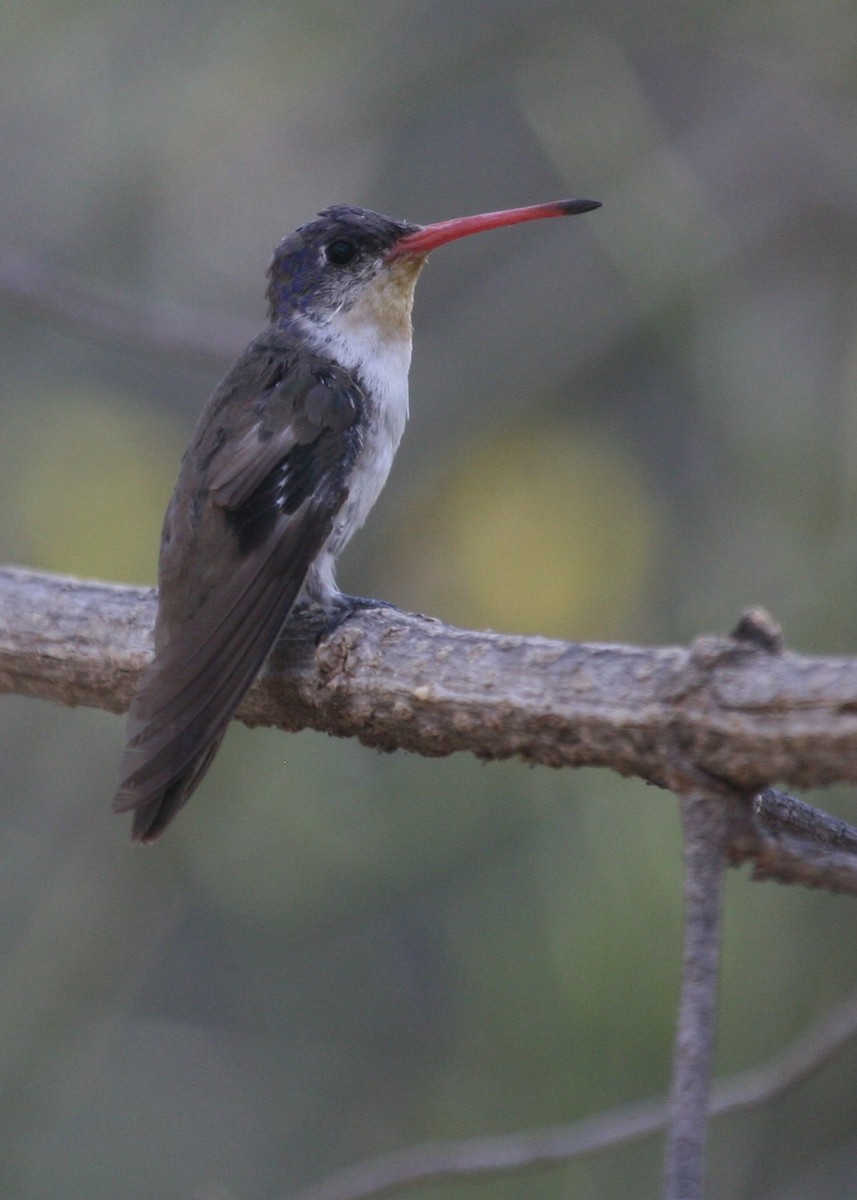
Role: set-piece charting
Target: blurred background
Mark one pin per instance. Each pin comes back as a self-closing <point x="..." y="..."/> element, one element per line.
<point x="628" y="426"/>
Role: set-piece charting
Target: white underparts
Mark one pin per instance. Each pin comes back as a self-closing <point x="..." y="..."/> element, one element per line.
<point x="381" y="358"/>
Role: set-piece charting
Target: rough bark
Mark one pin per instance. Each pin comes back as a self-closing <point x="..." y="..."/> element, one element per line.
<point x="743" y="713"/>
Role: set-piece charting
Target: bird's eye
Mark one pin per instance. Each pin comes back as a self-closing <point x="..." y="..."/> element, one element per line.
<point x="341" y="252"/>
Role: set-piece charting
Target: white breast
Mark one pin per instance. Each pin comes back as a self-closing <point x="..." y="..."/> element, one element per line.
<point x="382" y="364"/>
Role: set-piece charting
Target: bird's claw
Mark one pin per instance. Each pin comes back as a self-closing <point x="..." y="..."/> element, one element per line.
<point x="345" y="607"/>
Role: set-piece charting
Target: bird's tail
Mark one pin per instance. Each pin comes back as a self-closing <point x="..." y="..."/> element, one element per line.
<point x="153" y="813"/>
<point x="204" y="666"/>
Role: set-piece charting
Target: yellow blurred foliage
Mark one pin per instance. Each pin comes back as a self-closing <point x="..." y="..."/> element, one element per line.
<point x="552" y="534"/>
<point x="92" y="476"/>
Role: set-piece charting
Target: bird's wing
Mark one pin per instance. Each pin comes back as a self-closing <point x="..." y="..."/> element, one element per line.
<point x="267" y="513"/>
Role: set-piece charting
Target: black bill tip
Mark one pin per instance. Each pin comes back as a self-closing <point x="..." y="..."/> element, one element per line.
<point x="578" y="206"/>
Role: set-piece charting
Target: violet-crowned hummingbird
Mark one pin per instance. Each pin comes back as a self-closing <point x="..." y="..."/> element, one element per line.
<point x="288" y="457"/>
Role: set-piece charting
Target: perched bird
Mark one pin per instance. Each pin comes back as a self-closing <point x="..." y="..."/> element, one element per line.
<point x="289" y="455"/>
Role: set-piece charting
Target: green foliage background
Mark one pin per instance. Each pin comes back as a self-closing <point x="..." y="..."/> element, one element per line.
<point x="628" y="426"/>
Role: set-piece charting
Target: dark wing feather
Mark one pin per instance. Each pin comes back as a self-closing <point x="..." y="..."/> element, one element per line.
<point x="210" y="652"/>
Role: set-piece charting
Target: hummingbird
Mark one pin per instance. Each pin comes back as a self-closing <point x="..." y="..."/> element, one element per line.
<point x="289" y="455"/>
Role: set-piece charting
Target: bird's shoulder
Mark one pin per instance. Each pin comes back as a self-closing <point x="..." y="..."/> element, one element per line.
<point x="279" y="393"/>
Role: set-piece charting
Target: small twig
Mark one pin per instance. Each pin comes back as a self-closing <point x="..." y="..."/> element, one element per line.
<point x="441" y="1161"/>
<point x="790" y="841"/>
<point x="795" y="1062"/>
<point x="204" y="338"/>
<point x="783" y="814"/>
<point x="480" y="1157"/>
<point x="704" y="826"/>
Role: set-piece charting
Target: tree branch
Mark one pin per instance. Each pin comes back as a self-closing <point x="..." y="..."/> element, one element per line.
<point x="704" y="828"/>
<point x="394" y="679"/>
<point x="742" y="712"/>
<point x="479" y="1157"/>
<point x="203" y="338"/>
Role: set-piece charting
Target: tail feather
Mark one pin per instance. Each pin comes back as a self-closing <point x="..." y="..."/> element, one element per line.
<point x="153" y="816"/>
<point x="206" y="663"/>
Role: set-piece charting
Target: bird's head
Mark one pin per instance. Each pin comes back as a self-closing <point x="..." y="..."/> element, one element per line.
<point x="364" y="266"/>
<point x="339" y="264"/>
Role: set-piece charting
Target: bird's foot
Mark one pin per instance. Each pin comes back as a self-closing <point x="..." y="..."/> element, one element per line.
<point x="345" y="607"/>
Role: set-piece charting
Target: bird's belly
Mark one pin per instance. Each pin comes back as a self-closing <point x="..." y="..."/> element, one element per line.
<point x="380" y="442"/>
<point x="382" y="433"/>
<point x="367" y="479"/>
<point x="381" y="365"/>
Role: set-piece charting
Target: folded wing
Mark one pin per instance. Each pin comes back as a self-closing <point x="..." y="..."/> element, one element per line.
<point x="267" y="505"/>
